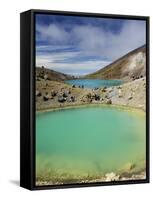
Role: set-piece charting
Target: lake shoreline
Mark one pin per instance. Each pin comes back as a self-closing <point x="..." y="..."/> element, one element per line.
<point x="86" y="105"/>
<point x="108" y="177"/>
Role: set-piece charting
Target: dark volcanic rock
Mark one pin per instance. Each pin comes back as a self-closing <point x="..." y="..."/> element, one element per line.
<point x="61" y="99"/>
<point x="97" y="97"/>
<point x="109" y="101"/>
<point x="130" y="97"/>
<point x="104" y="89"/>
<point x="66" y="94"/>
<point x="38" y="93"/>
<point x="45" y="98"/>
<point x="73" y="98"/>
<point x="53" y="93"/>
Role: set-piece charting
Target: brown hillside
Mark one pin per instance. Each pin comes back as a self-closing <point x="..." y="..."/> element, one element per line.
<point x="48" y="74"/>
<point x="130" y="66"/>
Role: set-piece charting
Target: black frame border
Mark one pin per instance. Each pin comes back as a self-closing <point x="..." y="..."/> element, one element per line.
<point x="29" y="181"/>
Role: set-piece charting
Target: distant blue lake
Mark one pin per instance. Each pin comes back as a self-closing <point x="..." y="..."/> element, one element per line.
<point x="94" y="83"/>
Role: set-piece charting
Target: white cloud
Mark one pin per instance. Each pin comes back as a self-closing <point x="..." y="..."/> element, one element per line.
<point x="52" y="32"/>
<point x="90" y="41"/>
<point x="132" y="36"/>
<point x="54" y="57"/>
<point x="69" y="68"/>
<point x="50" y="47"/>
<point x="96" y="41"/>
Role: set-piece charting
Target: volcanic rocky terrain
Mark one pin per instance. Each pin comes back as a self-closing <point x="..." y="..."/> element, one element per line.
<point x="52" y="91"/>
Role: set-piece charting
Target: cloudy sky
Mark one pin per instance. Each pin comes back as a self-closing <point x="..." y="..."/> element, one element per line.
<point x="81" y="45"/>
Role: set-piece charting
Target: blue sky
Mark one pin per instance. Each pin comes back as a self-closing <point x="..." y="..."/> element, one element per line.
<point x="81" y="45"/>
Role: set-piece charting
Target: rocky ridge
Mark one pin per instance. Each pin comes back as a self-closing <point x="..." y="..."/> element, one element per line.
<point x="129" y="67"/>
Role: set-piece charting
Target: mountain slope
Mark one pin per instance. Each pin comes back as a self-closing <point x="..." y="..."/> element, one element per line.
<point x="44" y="73"/>
<point x="128" y="67"/>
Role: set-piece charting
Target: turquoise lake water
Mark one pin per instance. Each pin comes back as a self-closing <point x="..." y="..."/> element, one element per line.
<point x="89" y="140"/>
<point x="94" y="83"/>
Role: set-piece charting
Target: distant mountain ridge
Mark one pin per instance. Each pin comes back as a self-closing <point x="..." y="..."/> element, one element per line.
<point x="128" y="67"/>
<point x="49" y="74"/>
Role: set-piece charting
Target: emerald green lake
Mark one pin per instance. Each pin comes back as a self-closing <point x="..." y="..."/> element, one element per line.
<point x="89" y="140"/>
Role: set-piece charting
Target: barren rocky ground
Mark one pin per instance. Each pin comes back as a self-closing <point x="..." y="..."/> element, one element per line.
<point x="53" y="94"/>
